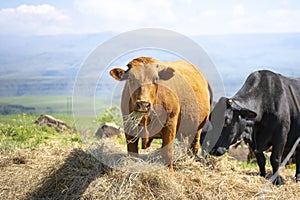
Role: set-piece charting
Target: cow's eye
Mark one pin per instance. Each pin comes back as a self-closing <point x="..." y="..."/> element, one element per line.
<point x="227" y="122"/>
<point x="155" y="80"/>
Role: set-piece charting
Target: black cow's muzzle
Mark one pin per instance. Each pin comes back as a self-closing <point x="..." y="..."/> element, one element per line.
<point x="218" y="151"/>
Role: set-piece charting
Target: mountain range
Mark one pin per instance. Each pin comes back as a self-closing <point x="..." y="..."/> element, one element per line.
<point x="48" y="65"/>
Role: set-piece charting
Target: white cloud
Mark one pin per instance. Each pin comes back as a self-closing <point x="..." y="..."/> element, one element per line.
<point x="209" y="13"/>
<point x="118" y="15"/>
<point x="188" y="17"/>
<point x="271" y="21"/>
<point x="33" y="19"/>
<point x="285" y="2"/>
<point x="122" y="8"/>
<point x="238" y="10"/>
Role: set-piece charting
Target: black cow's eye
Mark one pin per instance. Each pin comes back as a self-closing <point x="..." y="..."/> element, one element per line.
<point x="225" y="125"/>
<point x="227" y="122"/>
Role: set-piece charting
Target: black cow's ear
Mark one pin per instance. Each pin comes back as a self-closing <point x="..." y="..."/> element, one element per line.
<point x="246" y="113"/>
<point x="166" y="74"/>
<point x="118" y="74"/>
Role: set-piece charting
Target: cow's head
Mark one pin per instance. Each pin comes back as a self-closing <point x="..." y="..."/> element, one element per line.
<point x="230" y="123"/>
<point x="142" y="78"/>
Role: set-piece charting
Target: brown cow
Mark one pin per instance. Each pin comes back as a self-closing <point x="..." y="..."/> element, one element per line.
<point x="163" y="100"/>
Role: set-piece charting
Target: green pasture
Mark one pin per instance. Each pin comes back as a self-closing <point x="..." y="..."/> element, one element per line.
<point x="55" y="104"/>
<point x="18" y="131"/>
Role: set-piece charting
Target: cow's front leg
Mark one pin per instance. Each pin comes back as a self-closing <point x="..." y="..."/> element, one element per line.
<point x="132" y="145"/>
<point x="261" y="161"/>
<point x="275" y="159"/>
<point x="275" y="162"/>
<point x="279" y="140"/>
<point x="167" y="151"/>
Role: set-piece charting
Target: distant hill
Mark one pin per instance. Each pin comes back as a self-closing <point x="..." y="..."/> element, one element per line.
<point x="43" y="65"/>
<point x="47" y="65"/>
<point x="6" y="109"/>
<point x="236" y="56"/>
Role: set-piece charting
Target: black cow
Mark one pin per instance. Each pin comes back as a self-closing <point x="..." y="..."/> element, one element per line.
<point x="265" y="113"/>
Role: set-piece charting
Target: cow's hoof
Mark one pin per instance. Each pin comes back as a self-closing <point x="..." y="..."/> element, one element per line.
<point x="278" y="181"/>
<point x="263" y="174"/>
<point x="298" y="178"/>
<point x="171" y="167"/>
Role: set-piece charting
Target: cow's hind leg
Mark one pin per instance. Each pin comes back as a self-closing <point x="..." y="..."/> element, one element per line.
<point x="298" y="164"/>
<point x="195" y="145"/>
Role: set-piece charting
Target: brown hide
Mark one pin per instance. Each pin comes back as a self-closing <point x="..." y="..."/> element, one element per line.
<point x="181" y="94"/>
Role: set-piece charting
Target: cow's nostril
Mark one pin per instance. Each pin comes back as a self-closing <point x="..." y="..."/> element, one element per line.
<point x="138" y="106"/>
<point x="147" y="105"/>
<point x="142" y="106"/>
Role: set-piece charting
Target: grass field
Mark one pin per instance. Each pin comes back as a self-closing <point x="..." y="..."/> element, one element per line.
<point x="20" y="132"/>
<point x="42" y="104"/>
<point x="55" y="104"/>
<point x="40" y="163"/>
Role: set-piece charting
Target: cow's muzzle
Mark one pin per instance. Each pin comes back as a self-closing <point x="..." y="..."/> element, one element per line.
<point x="218" y="151"/>
<point x="142" y="106"/>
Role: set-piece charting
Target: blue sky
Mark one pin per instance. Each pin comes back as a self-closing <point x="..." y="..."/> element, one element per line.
<point x="190" y="17"/>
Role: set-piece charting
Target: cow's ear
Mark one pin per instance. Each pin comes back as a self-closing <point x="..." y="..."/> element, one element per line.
<point x="118" y="74"/>
<point x="166" y="73"/>
<point x="246" y="113"/>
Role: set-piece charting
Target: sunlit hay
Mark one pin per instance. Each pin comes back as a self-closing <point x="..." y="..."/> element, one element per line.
<point x="114" y="156"/>
<point x="136" y="178"/>
<point x="53" y="171"/>
<point x="131" y="124"/>
<point x="159" y="184"/>
<point x="107" y="151"/>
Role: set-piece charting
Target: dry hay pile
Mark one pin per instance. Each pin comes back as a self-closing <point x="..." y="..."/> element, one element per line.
<point x="55" y="172"/>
